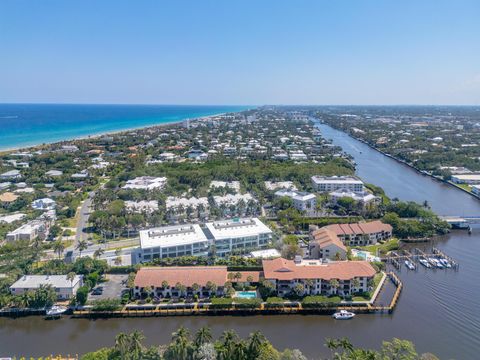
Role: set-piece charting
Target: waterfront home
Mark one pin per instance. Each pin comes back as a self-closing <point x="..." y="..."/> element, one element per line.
<point x="470" y="179"/>
<point x="65" y="288"/>
<point x="363" y="197"/>
<point x="173" y="241"/>
<point x="312" y="277"/>
<point x="325" y="244"/>
<point x="146" y="207"/>
<point x="185" y="281"/>
<point x="146" y="183"/>
<point x="44" y="204"/>
<point x="334" y="183"/>
<point x="362" y="234"/>
<point x="11" y="175"/>
<point x="302" y="201"/>
<point x="476" y="189"/>
<point x="238" y="234"/>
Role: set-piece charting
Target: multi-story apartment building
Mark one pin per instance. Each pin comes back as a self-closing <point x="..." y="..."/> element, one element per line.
<point x="229" y="235"/>
<point x="190" y="239"/>
<point x="334" y="183"/>
<point x="362" y="234"/>
<point x="315" y="277"/>
<point x="172" y="241"/>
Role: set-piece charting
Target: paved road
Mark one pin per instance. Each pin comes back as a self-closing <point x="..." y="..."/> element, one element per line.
<point x="82" y="222"/>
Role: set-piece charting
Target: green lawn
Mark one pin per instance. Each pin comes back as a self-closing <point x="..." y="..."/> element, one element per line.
<point x="387" y="246"/>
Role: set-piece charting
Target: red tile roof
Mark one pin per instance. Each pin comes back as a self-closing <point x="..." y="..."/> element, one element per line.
<point x="359" y="228"/>
<point x="282" y="269"/>
<point x="188" y="275"/>
<point x="324" y="237"/>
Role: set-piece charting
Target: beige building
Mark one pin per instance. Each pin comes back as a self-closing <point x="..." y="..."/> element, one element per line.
<point x="325" y="244"/>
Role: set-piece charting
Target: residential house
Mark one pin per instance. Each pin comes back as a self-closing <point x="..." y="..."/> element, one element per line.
<point x="64" y="287"/>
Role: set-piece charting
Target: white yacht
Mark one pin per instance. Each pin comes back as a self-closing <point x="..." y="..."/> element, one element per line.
<point x="55" y="311"/>
<point x="343" y="315"/>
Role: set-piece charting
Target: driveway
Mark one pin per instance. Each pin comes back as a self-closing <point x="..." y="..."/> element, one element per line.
<point x="112" y="289"/>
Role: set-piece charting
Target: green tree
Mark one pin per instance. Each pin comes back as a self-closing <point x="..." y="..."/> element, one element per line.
<point x="82" y="245"/>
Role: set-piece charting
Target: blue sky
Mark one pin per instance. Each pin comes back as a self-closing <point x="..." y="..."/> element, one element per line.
<point x="240" y="52"/>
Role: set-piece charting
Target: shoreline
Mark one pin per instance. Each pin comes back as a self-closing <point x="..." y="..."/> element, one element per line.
<point x="403" y="162"/>
<point x="112" y="132"/>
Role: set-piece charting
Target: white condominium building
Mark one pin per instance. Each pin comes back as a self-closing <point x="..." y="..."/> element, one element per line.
<point x="192" y="240"/>
<point x="173" y="241"/>
<point x="334" y="183"/>
<point x="228" y="235"/>
<point x="302" y="201"/>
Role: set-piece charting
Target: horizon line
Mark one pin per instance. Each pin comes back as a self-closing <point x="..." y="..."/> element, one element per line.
<point x="255" y="105"/>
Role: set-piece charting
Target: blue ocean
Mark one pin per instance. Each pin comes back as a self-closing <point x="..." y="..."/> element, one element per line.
<point x="23" y="125"/>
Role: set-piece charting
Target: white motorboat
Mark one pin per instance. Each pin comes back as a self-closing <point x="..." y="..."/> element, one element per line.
<point x="425" y="263"/>
<point x="445" y="263"/>
<point x="343" y="315"/>
<point x="55" y="311"/>
<point x="409" y="265"/>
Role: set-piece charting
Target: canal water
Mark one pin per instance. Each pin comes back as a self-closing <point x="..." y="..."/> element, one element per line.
<point x="438" y="309"/>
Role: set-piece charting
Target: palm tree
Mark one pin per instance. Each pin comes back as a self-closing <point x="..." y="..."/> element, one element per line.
<point x="237" y="276"/>
<point x="334" y="284"/>
<point x="255" y="342"/>
<point x="59" y="248"/>
<point x="309" y="283"/>
<point x="118" y="261"/>
<point x="165" y="284"/>
<point x="122" y="344"/>
<point x="82" y="245"/>
<point x="181" y="288"/>
<point x="355" y="283"/>
<point x="70" y="277"/>
<point x="99" y="252"/>
<point x="136" y="347"/>
<point x="250" y="278"/>
<point x="229" y="341"/>
<point x="195" y="287"/>
<point x="203" y="336"/>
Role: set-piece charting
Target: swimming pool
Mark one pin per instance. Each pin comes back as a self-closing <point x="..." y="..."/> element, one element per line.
<point x="246" y="294"/>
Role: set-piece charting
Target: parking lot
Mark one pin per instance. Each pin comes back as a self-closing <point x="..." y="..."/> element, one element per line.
<point x="112" y="289"/>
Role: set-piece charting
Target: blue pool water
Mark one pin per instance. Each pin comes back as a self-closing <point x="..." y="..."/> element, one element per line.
<point x="246" y="294"/>
<point x="24" y="125"/>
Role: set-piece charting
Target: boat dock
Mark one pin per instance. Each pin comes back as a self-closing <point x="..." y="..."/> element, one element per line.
<point x="435" y="259"/>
